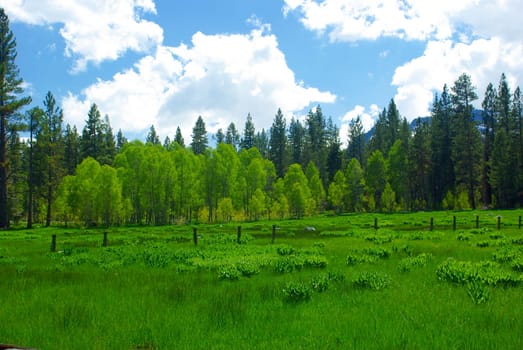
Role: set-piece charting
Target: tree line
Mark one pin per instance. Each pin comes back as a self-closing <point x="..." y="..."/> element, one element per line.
<point x="459" y="158"/>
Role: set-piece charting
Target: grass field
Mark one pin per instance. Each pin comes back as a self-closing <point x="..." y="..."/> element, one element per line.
<point x="343" y="285"/>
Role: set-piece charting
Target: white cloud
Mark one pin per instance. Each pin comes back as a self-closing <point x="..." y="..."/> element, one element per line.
<point x="372" y="19"/>
<point x="442" y="63"/>
<point x="94" y="31"/>
<point x="479" y="37"/>
<point x="220" y="77"/>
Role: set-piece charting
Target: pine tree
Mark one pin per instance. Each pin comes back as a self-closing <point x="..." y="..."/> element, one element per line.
<point x="261" y="142"/>
<point x="420" y="166"/>
<point x="50" y="142"/>
<point x="178" y="138"/>
<point x="517" y="112"/>
<point x="199" y="137"/>
<point x="220" y="136"/>
<point x="10" y="104"/>
<point x="167" y="142"/>
<point x="278" y="144"/>
<point x="466" y="140"/>
<point x="91" y="142"/>
<point x="489" y="119"/>
<point x="334" y="153"/>
<point x="378" y="141"/>
<point x="232" y="137"/>
<point x="33" y="117"/>
<point x="152" y="136"/>
<point x="72" y="150"/>
<point x="107" y="143"/>
<point x="356" y="145"/>
<point x="120" y="140"/>
<point x="316" y="140"/>
<point x="248" y="134"/>
<point x="442" y="170"/>
<point x="296" y="141"/>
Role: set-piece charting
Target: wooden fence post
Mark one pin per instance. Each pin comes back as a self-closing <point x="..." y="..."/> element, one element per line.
<point x="239" y="237"/>
<point x="477" y="221"/>
<point x="454" y="223"/>
<point x="431" y="224"/>
<point x="53" y="243"/>
<point x="195" y="236"/>
<point x="273" y="233"/>
<point x="104" y="244"/>
<point x="376" y="223"/>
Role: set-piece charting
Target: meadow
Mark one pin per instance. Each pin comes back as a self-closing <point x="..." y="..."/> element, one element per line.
<point x="359" y="281"/>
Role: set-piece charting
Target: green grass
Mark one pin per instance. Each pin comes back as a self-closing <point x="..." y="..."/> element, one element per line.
<point x="151" y="288"/>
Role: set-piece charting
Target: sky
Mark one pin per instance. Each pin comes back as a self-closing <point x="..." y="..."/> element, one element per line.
<point x="166" y="62"/>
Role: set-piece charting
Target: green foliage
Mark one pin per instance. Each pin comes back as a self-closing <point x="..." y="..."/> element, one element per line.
<point x="315" y="261"/>
<point x="297" y="292"/>
<point x="320" y="283"/>
<point x="229" y="273"/>
<point x="488" y="272"/>
<point x="248" y="268"/>
<point x="372" y="280"/>
<point x="478" y="292"/>
<point x="410" y="263"/>
<point x="288" y="264"/>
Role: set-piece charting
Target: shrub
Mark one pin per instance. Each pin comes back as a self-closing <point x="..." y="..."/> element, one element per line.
<point x="156" y="256"/>
<point x="488" y="272"/>
<point x="228" y="272"/>
<point x="287" y="264"/>
<point x="506" y="254"/>
<point x="478" y="292"/>
<point x="285" y="250"/>
<point x="247" y="268"/>
<point x="409" y="263"/>
<point x="296" y="292"/>
<point x="517" y="264"/>
<point x="379" y="239"/>
<point x="353" y="259"/>
<point x="316" y="261"/>
<point x="379" y="252"/>
<point x="320" y="283"/>
<point x="372" y="280"/>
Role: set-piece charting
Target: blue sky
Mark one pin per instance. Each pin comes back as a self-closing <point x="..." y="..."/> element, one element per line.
<point x="164" y="62"/>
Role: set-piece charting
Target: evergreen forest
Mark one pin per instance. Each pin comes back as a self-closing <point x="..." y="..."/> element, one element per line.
<point x="460" y="157"/>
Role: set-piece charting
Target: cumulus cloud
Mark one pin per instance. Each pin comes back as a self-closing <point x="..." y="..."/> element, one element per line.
<point x="94" y="31"/>
<point x="479" y="37"/>
<point x="442" y="63"/>
<point x="372" y="19"/>
<point x="220" y="77"/>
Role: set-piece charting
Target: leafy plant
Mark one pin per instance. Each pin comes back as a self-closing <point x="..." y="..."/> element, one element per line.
<point x="296" y="292"/>
<point x="229" y="272"/>
<point x="320" y="283"/>
<point x="316" y="261"/>
<point x="478" y="292"/>
<point x="285" y="250"/>
<point x="248" y="268"/>
<point x="372" y="280"/>
<point x="409" y="263"/>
